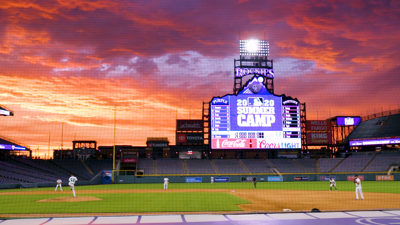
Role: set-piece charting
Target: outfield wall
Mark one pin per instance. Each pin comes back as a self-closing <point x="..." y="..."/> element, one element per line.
<point x="182" y="178"/>
<point x="300" y="177"/>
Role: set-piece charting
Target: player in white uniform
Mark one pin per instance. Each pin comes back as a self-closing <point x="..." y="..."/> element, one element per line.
<point x="71" y="183"/>
<point x="357" y="181"/>
<point x="212" y="180"/>
<point x="332" y="184"/>
<point x="166" y="181"/>
<point x="59" y="181"/>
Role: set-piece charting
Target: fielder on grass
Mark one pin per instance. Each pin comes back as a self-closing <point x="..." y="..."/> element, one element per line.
<point x="166" y="182"/>
<point x="71" y="183"/>
<point x="332" y="184"/>
<point x="59" y="182"/>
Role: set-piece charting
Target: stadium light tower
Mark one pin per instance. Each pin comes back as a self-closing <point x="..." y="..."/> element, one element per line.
<point x="4" y="111"/>
<point x="254" y="61"/>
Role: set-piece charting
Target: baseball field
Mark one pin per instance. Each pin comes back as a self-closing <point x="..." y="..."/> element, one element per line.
<point x="133" y="199"/>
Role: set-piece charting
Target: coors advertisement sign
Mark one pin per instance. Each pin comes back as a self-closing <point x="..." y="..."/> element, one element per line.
<point x="189" y="125"/>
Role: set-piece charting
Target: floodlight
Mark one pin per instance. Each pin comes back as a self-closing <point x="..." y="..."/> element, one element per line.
<point x="254" y="47"/>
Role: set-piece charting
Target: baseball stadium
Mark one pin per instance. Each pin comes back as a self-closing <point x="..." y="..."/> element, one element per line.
<point x="84" y="140"/>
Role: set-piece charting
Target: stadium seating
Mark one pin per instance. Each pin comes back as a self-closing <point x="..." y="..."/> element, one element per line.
<point x="146" y="165"/>
<point x="99" y="165"/>
<point x="10" y="170"/>
<point x="382" y="162"/>
<point x="390" y="127"/>
<point x="308" y="164"/>
<point x="327" y="164"/>
<point x="199" y="166"/>
<point x="287" y="165"/>
<point x="169" y="166"/>
<point x="76" y="167"/>
<point x="44" y="165"/>
<point x="256" y="165"/>
<point x="225" y="166"/>
<point x="354" y="163"/>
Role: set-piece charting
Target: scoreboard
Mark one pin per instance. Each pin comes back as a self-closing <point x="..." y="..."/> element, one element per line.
<point x="255" y="119"/>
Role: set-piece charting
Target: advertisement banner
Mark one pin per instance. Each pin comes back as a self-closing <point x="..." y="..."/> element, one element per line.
<point x="275" y="179"/>
<point x="318" y="125"/>
<point x="189" y="125"/>
<point x="375" y="141"/>
<point x="193" y="179"/>
<point x="384" y="177"/>
<point x="107" y="176"/>
<point x="301" y="178"/>
<point x="129" y="160"/>
<point x="189" y="138"/>
<point x="12" y="147"/>
<point x="221" y="179"/>
<point x="351" y="178"/>
<point x="348" y="121"/>
<point x="319" y="138"/>
<point x="247" y="179"/>
<point x="157" y="144"/>
<point x="326" y="178"/>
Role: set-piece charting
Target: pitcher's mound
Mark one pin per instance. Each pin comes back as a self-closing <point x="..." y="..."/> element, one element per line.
<point x="71" y="199"/>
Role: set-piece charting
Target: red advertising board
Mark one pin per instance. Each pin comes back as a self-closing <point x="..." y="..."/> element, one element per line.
<point x="189" y="138"/>
<point x="351" y="178"/>
<point x="319" y="138"/>
<point x="318" y="125"/>
<point x="189" y="125"/>
<point x="129" y="160"/>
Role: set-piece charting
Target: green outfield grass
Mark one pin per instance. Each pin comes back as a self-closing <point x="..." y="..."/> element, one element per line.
<point x="164" y="202"/>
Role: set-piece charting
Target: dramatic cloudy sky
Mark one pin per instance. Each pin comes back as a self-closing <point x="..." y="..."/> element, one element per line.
<point x="73" y="62"/>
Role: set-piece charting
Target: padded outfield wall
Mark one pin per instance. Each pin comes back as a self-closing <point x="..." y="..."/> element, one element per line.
<point x="206" y="178"/>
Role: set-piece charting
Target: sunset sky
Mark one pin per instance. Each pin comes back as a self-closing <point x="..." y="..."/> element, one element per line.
<point x="74" y="62"/>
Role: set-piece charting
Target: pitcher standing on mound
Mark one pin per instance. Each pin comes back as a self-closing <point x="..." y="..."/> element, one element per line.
<point x="71" y="183"/>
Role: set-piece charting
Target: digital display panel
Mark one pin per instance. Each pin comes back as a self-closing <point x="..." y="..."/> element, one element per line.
<point x="255" y="119"/>
<point x="377" y="141"/>
<point x="12" y="147"/>
<point x="348" y="120"/>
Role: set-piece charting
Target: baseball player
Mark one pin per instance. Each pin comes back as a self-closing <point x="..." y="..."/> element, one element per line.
<point x="255" y="182"/>
<point x="59" y="181"/>
<point x="166" y="182"/>
<point x="71" y="183"/>
<point x="212" y="180"/>
<point x="332" y="184"/>
<point x="357" y="181"/>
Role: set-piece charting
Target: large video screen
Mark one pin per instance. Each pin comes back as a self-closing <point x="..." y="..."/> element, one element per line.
<point x="255" y="119"/>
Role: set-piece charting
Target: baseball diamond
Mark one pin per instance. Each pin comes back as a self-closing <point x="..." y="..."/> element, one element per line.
<point x="232" y="198"/>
